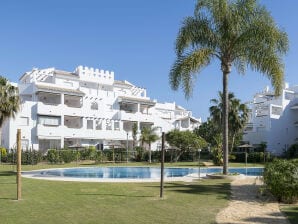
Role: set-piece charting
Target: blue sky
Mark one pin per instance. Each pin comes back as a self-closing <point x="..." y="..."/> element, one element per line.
<point x="133" y="38"/>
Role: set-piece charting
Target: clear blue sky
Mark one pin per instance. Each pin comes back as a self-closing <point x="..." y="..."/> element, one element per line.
<point x="133" y="38"/>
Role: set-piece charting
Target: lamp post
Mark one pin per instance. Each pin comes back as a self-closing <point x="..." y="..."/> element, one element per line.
<point x="245" y="161"/>
<point x="199" y="174"/>
<point x="126" y="147"/>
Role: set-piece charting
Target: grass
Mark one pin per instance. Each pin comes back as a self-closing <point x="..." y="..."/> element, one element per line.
<point x="74" y="202"/>
<point x="291" y="212"/>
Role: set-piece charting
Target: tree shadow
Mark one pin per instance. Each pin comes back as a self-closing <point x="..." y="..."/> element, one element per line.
<point x="274" y="218"/>
<point x="7" y="173"/>
<point x="117" y="195"/>
<point x="8" y="199"/>
<point x="223" y="190"/>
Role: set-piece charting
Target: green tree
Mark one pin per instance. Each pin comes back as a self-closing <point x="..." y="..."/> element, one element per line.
<point x="9" y="100"/>
<point x="238" y="116"/>
<point x="238" y="33"/>
<point x="148" y="136"/>
<point x="207" y="130"/>
<point x="184" y="141"/>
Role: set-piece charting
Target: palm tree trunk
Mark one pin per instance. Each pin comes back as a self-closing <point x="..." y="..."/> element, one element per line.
<point x="226" y="71"/>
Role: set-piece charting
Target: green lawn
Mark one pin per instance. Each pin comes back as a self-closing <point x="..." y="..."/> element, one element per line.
<point x="74" y="202"/>
<point x="291" y="212"/>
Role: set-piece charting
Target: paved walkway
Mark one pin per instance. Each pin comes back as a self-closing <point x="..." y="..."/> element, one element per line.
<point x="248" y="206"/>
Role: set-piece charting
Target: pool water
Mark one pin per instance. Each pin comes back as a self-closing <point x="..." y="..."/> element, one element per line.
<point x="139" y="172"/>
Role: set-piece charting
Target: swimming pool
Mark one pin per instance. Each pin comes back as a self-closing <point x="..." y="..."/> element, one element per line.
<point x="131" y="173"/>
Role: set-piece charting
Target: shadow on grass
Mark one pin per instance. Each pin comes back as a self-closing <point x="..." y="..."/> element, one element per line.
<point x="273" y="218"/>
<point x="9" y="199"/>
<point x="291" y="211"/>
<point x="223" y="190"/>
<point x="203" y="189"/>
<point x="7" y="173"/>
<point x="117" y="195"/>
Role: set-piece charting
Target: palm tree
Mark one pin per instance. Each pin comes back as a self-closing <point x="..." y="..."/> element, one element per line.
<point x="148" y="136"/>
<point x="134" y="134"/>
<point x="238" y="115"/>
<point x="9" y="100"/>
<point x="238" y="33"/>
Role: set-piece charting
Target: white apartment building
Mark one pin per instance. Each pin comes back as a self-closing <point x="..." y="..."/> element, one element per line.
<point x="274" y="120"/>
<point x="86" y="107"/>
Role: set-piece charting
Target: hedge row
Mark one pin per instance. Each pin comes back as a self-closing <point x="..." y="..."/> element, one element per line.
<point x="281" y="178"/>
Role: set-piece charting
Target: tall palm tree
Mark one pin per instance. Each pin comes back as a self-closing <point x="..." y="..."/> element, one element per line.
<point x="149" y="136"/>
<point x="238" y="115"/>
<point x="9" y="100"/>
<point x="238" y="33"/>
<point x="134" y="134"/>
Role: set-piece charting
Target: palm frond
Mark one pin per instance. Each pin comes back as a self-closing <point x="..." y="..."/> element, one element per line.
<point x="185" y="67"/>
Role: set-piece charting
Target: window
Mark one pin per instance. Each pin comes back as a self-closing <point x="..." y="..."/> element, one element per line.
<point x="89" y="124"/>
<point x="98" y="125"/>
<point x="25" y="144"/>
<point x="117" y="125"/>
<point x="289" y="96"/>
<point x="108" y="125"/>
<point x="24" y="121"/>
<point x="94" y="106"/>
<point x="49" y="120"/>
<point x="276" y="110"/>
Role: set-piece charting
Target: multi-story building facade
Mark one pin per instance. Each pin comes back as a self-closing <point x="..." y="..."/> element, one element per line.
<point x="273" y="120"/>
<point x="86" y="107"/>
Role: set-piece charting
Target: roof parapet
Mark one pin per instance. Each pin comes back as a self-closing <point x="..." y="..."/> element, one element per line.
<point x="95" y="75"/>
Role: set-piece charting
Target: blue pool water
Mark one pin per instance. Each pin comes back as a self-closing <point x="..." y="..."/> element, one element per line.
<point x="139" y="172"/>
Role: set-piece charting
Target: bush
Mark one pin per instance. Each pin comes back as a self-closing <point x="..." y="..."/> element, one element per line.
<point x="281" y="178"/>
<point x="139" y="155"/>
<point x="3" y="154"/>
<point x="252" y="157"/>
<point x="31" y="157"/>
<point x="68" y="155"/>
<point x="53" y="156"/>
<point x="292" y="152"/>
<point x="88" y="153"/>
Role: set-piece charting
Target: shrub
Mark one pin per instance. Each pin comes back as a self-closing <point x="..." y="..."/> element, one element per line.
<point x="139" y="156"/>
<point x="281" y="178"/>
<point x="252" y="157"/>
<point x="52" y="156"/>
<point x="31" y="157"/>
<point x="292" y="152"/>
<point x="88" y="153"/>
<point x="217" y="156"/>
<point x="3" y="154"/>
<point x="67" y="155"/>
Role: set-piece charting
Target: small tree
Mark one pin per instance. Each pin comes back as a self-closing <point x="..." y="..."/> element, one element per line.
<point x="184" y="141"/>
<point x="149" y="136"/>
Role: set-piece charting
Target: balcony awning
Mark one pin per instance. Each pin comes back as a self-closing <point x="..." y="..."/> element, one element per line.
<point x="133" y="100"/>
<point x="52" y="89"/>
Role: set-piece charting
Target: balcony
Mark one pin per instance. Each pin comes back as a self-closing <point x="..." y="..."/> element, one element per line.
<point x="125" y="116"/>
<point x="49" y="109"/>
